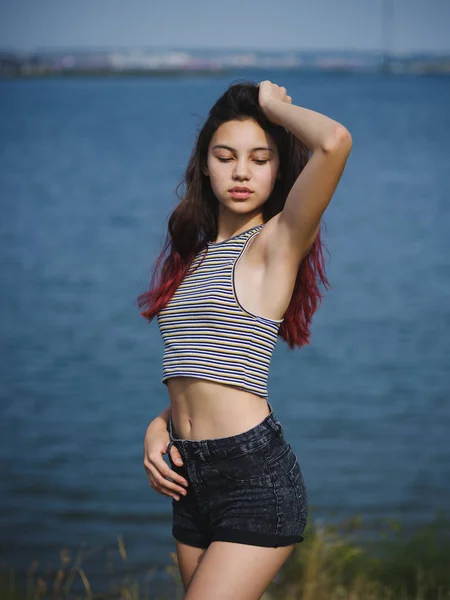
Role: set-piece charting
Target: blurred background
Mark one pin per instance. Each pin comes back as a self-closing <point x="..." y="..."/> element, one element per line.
<point x="99" y="107"/>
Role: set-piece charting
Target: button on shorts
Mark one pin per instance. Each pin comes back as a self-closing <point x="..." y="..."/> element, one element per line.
<point x="246" y="488"/>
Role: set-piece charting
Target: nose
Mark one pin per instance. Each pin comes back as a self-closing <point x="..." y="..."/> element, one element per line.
<point x="241" y="170"/>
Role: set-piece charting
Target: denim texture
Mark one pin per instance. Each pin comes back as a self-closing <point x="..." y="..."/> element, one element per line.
<point x="246" y="488"/>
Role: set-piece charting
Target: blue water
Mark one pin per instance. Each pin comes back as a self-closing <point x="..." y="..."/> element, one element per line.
<point x="88" y="169"/>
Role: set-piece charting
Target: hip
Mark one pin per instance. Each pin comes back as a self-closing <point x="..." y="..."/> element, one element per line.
<point x="257" y="465"/>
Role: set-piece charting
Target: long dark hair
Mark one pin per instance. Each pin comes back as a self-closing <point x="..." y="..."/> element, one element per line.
<point x="194" y="221"/>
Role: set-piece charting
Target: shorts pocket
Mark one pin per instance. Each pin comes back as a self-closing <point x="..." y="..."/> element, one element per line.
<point x="249" y="467"/>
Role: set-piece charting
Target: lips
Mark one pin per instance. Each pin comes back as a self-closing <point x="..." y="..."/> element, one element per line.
<point x="240" y="193"/>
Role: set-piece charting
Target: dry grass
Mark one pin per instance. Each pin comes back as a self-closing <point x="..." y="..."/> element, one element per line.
<point x="328" y="565"/>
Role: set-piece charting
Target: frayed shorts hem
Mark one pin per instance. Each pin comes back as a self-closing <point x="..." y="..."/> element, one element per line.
<point x="227" y="534"/>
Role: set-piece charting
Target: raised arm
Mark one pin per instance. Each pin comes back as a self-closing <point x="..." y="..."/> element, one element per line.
<point x="292" y="232"/>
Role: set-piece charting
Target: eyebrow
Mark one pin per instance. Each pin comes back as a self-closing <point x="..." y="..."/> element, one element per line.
<point x="234" y="149"/>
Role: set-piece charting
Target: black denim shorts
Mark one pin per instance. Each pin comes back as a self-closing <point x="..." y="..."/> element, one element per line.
<point x="246" y="488"/>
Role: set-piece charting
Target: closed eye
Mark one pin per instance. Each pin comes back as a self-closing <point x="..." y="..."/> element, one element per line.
<point x="259" y="162"/>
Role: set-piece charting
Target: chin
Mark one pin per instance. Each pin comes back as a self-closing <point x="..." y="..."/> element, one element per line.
<point x="242" y="208"/>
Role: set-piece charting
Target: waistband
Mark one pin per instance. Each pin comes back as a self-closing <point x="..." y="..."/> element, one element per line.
<point x="215" y="448"/>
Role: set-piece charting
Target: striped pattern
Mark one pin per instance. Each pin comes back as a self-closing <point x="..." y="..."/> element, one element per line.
<point x="206" y="331"/>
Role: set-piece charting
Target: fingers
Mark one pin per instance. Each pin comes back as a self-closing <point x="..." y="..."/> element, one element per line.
<point x="159" y="475"/>
<point x="162" y="485"/>
<point x="175" y="455"/>
<point x="286" y="97"/>
<point x="278" y="91"/>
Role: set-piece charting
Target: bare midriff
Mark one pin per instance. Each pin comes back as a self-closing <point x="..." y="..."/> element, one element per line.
<point x="203" y="409"/>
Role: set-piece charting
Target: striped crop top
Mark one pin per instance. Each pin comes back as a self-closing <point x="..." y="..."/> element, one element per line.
<point x="207" y="333"/>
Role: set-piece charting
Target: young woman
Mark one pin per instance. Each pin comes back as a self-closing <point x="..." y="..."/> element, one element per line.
<point x="244" y="263"/>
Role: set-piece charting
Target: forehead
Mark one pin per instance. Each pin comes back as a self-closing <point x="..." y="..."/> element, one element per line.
<point x="242" y="135"/>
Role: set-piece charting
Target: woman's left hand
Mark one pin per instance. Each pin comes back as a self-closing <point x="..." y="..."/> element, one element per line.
<point x="269" y="92"/>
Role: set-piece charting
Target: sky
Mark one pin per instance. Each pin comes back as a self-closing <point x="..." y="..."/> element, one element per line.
<point x="416" y="25"/>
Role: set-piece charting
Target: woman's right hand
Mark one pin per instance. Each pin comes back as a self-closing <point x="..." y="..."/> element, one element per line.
<point x="155" y="445"/>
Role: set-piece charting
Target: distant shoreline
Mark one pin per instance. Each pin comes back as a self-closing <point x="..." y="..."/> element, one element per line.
<point x="187" y="73"/>
<point x="176" y="62"/>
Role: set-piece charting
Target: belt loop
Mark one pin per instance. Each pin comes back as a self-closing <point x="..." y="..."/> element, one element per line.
<point x="274" y="422"/>
<point x="205" y="450"/>
<point x="277" y="427"/>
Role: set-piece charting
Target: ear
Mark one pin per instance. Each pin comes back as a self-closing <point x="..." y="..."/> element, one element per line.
<point x="205" y="171"/>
